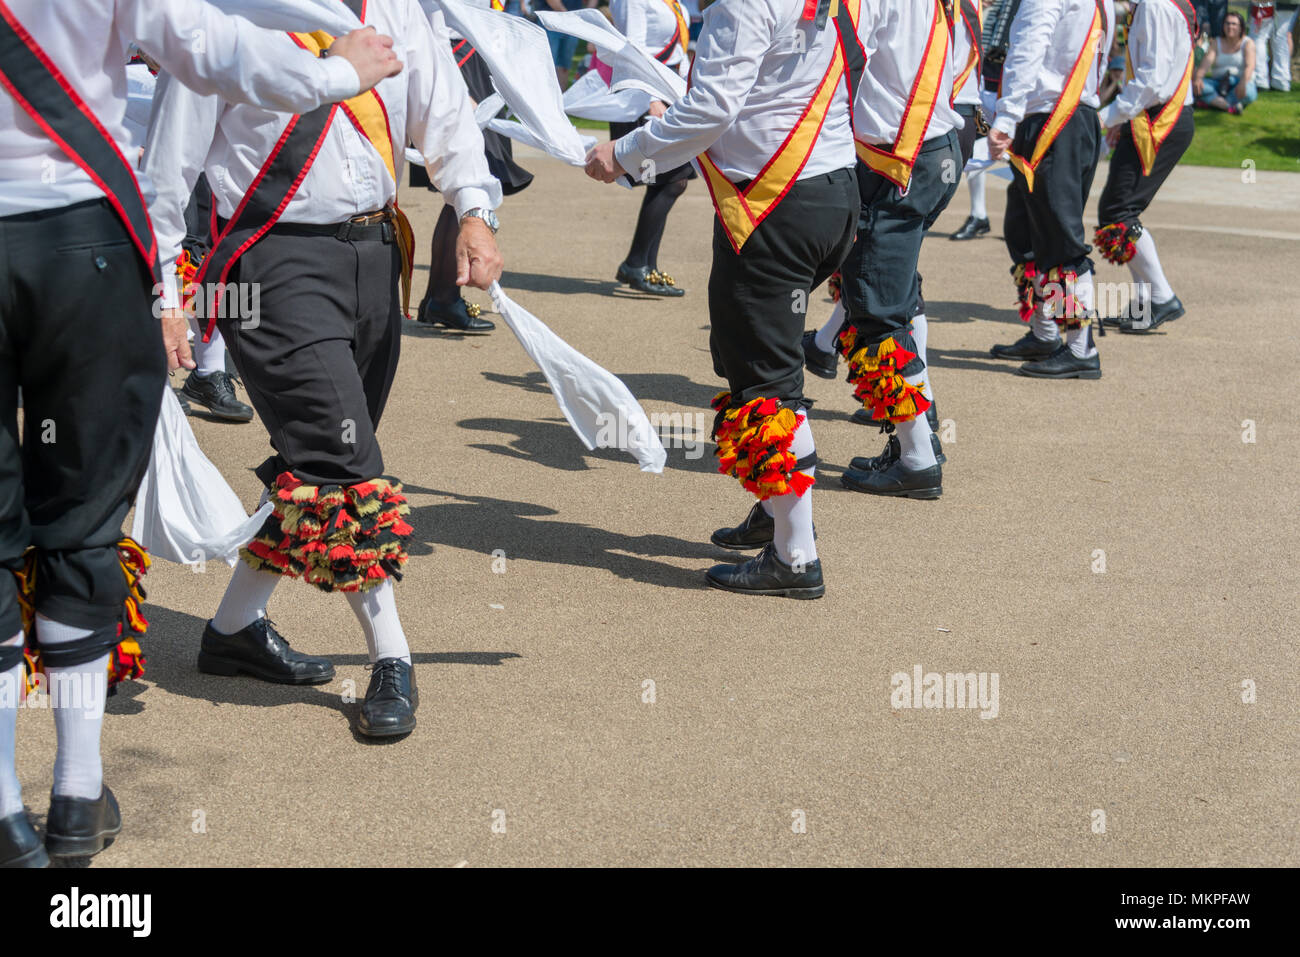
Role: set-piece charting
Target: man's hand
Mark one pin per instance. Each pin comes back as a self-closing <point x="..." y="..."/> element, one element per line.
<point x="478" y="261"/>
<point x="999" y="143"/>
<point x="601" y="164"/>
<point x="370" y="53"/>
<point x="176" y="343"/>
<point x="658" y="108"/>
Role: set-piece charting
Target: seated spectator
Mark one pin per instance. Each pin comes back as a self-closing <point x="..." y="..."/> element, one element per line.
<point x="1225" y="80"/>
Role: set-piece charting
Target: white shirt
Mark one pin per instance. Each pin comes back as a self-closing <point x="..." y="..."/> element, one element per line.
<point x="427" y="104"/>
<point x="1159" y="46"/>
<point x="895" y="35"/>
<point x="1046" y="37"/>
<point x="651" y="25"/>
<point x="758" y="64"/>
<point x="88" y="41"/>
<point x="962" y="45"/>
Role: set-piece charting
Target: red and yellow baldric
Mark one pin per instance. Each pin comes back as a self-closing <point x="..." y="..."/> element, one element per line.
<point x="971" y="15"/>
<point x="1149" y="134"/>
<point x="742" y="211"/>
<point x="682" y="37"/>
<point x="1069" y="100"/>
<point x="896" y="162"/>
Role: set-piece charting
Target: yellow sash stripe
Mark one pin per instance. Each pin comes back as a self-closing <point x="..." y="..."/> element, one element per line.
<point x="974" y="57"/>
<point x="365" y="110"/>
<point x="896" y="164"/>
<point x="1148" y="136"/>
<point x="1065" y="106"/>
<point x="741" y="213"/>
<point x="683" y="24"/>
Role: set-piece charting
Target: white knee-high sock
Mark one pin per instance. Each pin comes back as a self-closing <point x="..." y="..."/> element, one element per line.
<point x="11" y="794"/>
<point x="1145" y="267"/>
<point x="77" y="695"/>
<point x="376" y="609"/>
<point x="921" y="335"/>
<point x="209" y="357"/>
<point x="975" y="183"/>
<point x="1080" y="340"/>
<point x="827" y="333"/>
<point x="916" y="451"/>
<point x="1043" y="325"/>
<point x="245" y="599"/>
<point x="792" y="514"/>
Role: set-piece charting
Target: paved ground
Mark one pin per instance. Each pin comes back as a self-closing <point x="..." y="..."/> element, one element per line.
<point x="1119" y="692"/>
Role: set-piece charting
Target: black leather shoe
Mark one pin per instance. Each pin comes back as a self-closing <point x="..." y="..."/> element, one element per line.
<point x="1028" y="346"/>
<point x="893" y="451"/>
<point x="81" y="827"/>
<point x="1161" y="312"/>
<point x="391" y="700"/>
<point x="650" y="281"/>
<point x="754" y="532"/>
<point x="185" y="404"/>
<point x="1063" y="364"/>
<point x="897" y="480"/>
<point x="19" y="844"/>
<point x="261" y="651"/>
<point x="766" y="574"/>
<point x="216" y="393"/>
<point x="932" y="416"/>
<point x="816" y="361"/>
<point x="458" y="316"/>
<point x="972" y="229"/>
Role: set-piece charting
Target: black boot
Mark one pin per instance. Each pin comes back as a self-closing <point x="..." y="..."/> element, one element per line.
<point x="647" y="280"/>
<point x="458" y="316"/>
<point x="261" y="651"/>
<point x="1063" y="364"/>
<point x="817" y="361"/>
<point x="216" y="393"/>
<point x="972" y="229"/>
<point x="19" y="844"/>
<point x="754" y="532"/>
<point x="391" y="700"/>
<point x="1028" y="346"/>
<point x="1161" y="312"/>
<point x="766" y="574"/>
<point x="81" y="827"/>
<point x="897" y="480"/>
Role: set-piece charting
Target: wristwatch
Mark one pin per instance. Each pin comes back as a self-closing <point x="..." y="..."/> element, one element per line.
<point x="489" y="218"/>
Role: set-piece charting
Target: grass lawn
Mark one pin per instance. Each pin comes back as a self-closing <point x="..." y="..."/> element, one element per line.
<point x="1268" y="133"/>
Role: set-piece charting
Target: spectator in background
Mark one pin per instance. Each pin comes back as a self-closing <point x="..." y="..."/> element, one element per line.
<point x="1210" y="14"/>
<point x="563" y="46"/>
<point x="1225" y="80"/>
<point x="1272" y="29"/>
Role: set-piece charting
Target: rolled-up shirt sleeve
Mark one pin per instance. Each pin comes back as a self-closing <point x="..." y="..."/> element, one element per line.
<point x="214" y="52"/>
<point x="727" y="63"/>
<point x="440" y="118"/>
<point x="1027" y="51"/>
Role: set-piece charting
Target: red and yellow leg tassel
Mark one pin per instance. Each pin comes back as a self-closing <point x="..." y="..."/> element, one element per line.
<point x="754" y="446"/>
<point x="1117" y="242"/>
<point x="1024" y="275"/>
<point x="337" y="537"/>
<point x="1059" y="290"/>
<point x="876" y="372"/>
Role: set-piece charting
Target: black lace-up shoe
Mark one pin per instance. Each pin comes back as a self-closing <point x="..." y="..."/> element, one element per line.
<point x="261" y="651"/>
<point x="647" y="280"/>
<point x="1161" y="312"/>
<point x="1063" y="364"/>
<point x="754" y="532"/>
<point x="1028" y="346"/>
<point x="897" y="480"/>
<point x="458" y="316"/>
<point x="81" y="827"/>
<point x="766" y="574"/>
<point x="391" y="700"/>
<point x="972" y="229"/>
<point x="818" y="361"/>
<point x="892" y="453"/>
<point x="216" y="393"/>
<point x="19" y="844"/>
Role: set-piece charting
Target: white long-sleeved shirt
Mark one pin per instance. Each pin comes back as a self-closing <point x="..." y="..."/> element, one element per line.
<point x="1159" y="47"/>
<point x="758" y="64"/>
<point x="1046" y="39"/>
<point x="651" y="25"/>
<point x="895" y="35"/>
<point x="88" y="39"/>
<point x="962" y="44"/>
<point x="427" y="104"/>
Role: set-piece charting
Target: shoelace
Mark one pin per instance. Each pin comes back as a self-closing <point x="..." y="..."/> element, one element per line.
<point x="385" y="672"/>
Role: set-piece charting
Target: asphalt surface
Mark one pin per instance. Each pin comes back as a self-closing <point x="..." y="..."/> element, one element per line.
<point x="771" y="737"/>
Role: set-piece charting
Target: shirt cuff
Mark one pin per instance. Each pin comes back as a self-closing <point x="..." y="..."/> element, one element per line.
<point x="1005" y="124"/>
<point x="341" y="80"/>
<point x="1109" y="116"/>
<point x="628" y="153"/>
<point x="471" y="197"/>
<point x="171" y="296"/>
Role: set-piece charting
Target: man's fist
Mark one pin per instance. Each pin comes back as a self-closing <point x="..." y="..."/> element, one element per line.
<point x="371" y="55"/>
<point x="478" y="261"/>
<point x="601" y="164"/>
<point x="999" y="143"/>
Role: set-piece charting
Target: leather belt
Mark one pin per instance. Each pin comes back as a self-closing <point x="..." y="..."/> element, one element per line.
<point x="367" y="227"/>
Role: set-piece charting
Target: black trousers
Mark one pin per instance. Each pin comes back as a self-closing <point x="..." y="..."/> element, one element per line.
<point x="1046" y="226"/>
<point x="1128" y="191"/>
<point x="881" y="285"/>
<point x="78" y="334"/>
<point x="758" y="297"/>
<point x="319" y="355"/>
